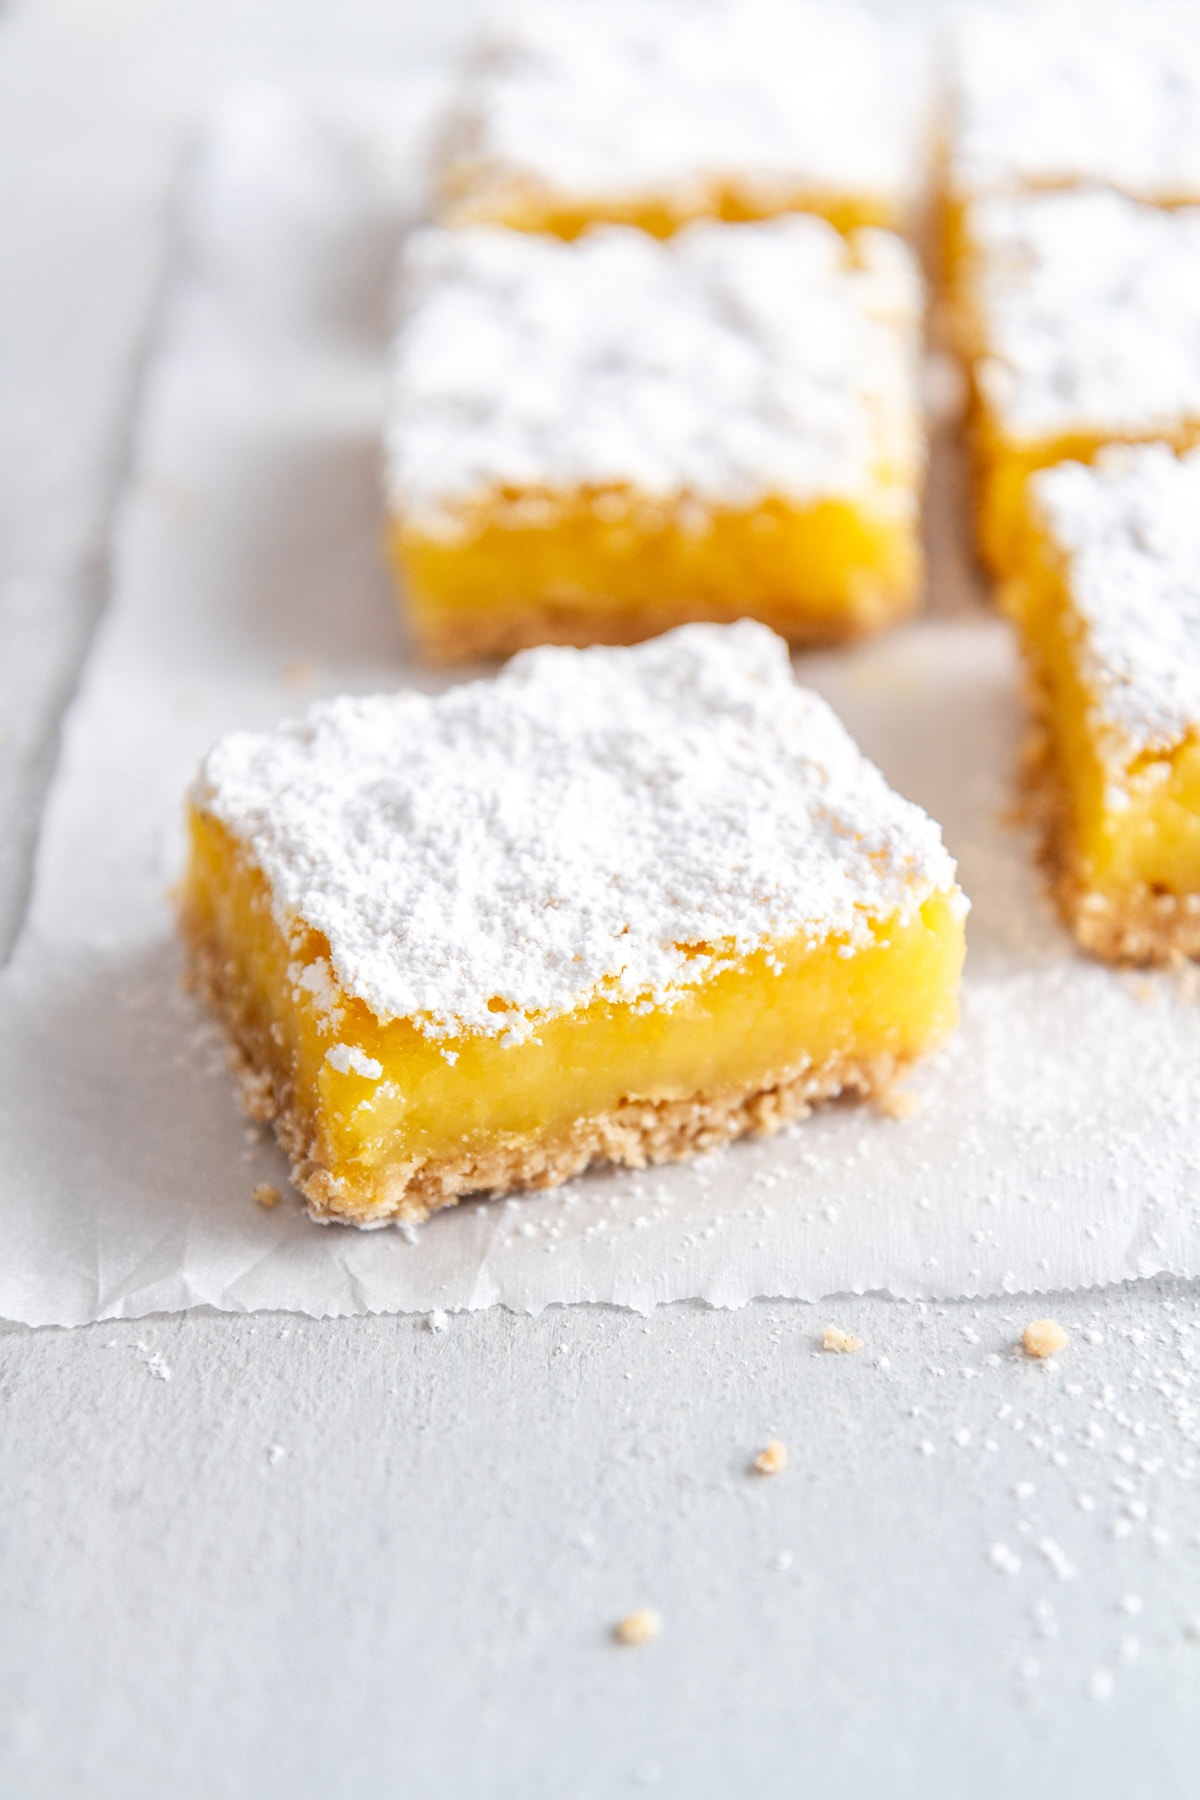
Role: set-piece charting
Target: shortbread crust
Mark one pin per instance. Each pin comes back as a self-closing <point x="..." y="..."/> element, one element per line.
<point x="594" y="441"/>
<point x="660" y="835"/>
<point x="490" y="636"/>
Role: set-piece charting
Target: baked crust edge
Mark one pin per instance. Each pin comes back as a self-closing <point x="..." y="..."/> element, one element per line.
<point x="484" y="638"/>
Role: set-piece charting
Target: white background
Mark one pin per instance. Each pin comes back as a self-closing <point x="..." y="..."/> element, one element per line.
<point x="273" y="1555"/>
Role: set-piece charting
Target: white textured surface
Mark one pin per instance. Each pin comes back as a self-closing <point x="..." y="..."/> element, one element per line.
<point x="611" y="99"/>
<point x="332" y="1559"/>
<point x="731" y="363"/>
<point x="1130" y="530"/>
<point x="576" y="825"/>
<point x="1054" y="1139"/>
<point x="1089" y="306"/>
<point x="1054" y="93"/>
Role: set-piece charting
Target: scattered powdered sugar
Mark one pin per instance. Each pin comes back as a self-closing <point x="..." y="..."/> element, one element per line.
<point x="729" y="363"/>
<point x="597" y="820"/>
<point x="1130" y="527"/>
<point x="154" y="1362"/>
<point x="1052" y="94"/>
<point x="616" y="99"/>
<point x="1089" y="312"/>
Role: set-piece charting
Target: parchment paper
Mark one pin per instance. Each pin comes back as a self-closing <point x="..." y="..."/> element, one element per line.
<point x="1053" y="1142"/>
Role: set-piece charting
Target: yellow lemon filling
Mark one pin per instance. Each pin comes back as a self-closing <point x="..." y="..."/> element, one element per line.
<point x="382" y="1120"/>
<point x="1120" y="800"/>
<point x="604" y="568"/>
<point x="1132" y="823"/>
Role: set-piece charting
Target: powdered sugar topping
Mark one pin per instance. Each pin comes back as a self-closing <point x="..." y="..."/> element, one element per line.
<point x="598" y="821"/>
<point x="1060" y="93"/>
<point x="730" y="363"/>
<point x="1130" y="527"/>
<point x="1090" y="312"/>
<point x="619" y="99"/>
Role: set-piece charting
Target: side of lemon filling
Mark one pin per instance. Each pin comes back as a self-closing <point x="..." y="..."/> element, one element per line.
<point x="381" y="1094"/>
<point x="833" y="567"/>
<point x="1133" y="819"/>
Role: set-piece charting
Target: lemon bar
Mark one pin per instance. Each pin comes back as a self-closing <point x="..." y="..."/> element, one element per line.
<point x="1083" y="320"/>
<point x="652" y="114"/>
<point x="614" y="904"/>
<point x="590" y="442"/>
<point x="1108" y="610"/>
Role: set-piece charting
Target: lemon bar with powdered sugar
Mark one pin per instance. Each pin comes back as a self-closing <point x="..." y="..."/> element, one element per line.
<point x="611" y="904"/>
<point x="590" y="442"/>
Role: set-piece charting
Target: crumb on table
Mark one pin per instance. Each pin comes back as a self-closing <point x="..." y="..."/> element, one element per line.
<point x="841" y="1341"/>
<point x="772" y="1460"/>
<point x="897" y="1103"/>
<point x="266" y="1194"/>
<point x="1043" y="1337"/>
<point x="640" y="1627"/>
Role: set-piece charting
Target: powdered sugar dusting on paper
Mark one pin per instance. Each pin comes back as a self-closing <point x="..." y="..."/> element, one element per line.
<point x="1057" y="93"/>
<point x="1054" y="1143"/>
<point x="601" y="819"/>
<point x="1088" y="312"/>
<point x="612" y="98"/>
<point x="1130" y="528"/>
<point x="730" y="363"/>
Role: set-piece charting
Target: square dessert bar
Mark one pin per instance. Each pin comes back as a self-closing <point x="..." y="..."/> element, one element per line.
<point x="1081" y="311"/>
<point x="1108" y="611"/>
<point x="592" y="441"/>
<point x="651" y="114"/>
<point x="611" y="905"/>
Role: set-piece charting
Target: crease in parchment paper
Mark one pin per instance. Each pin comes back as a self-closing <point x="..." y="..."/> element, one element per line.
<point x="1051" y="1146"/>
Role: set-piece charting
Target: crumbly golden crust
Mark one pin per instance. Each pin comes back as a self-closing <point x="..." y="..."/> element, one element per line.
<point x="459" y="638"/>
<point x="636" y="1133"/>
<point x="1135" y="926"/>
